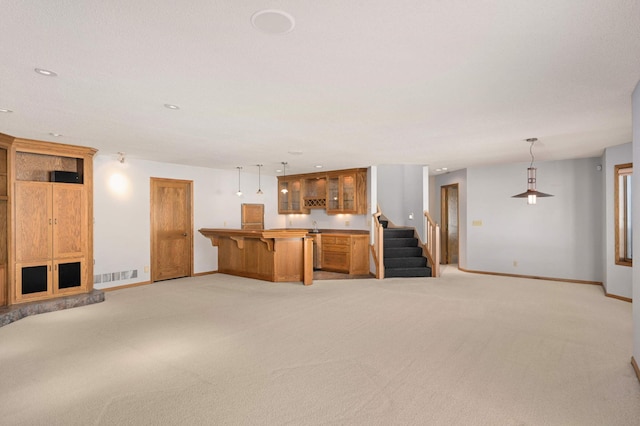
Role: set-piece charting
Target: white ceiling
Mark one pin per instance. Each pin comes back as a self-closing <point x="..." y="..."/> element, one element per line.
<point x="443" y="83"/>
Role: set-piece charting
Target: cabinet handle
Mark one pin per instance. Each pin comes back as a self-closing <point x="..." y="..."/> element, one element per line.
<point x="49" y="268"/>
<point x="55" y="221"/>
<point x="49" y="221"/>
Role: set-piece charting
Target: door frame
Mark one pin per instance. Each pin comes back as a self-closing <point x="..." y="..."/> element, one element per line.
<point x="189" y="183"/>
<point x="444" y="219"/>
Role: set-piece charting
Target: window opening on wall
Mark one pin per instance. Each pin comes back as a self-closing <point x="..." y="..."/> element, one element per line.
<point x="622" y="204"/>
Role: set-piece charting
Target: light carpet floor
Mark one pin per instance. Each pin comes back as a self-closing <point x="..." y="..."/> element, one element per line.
<point x="463" y="349"/>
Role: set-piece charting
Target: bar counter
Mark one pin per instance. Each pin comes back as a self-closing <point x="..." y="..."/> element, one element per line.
<point x="278" y="255"/>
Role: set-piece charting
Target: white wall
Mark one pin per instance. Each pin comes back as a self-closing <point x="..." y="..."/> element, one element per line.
<point x="390" y="196"/>
<point x="459" y="177"/>
<point x="325" y="221"/>
<point x="559" y="237"/>
<point x="636" y="220"/>
<point x="122" y="218"/>
<point x="402" y="193"/>
<point x="617" y="279"/>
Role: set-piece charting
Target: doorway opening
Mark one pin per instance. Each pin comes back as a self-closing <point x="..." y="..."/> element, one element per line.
<point x="450" y="218"/>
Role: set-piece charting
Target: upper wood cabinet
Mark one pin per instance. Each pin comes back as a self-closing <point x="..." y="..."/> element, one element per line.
<point x="340" y="191"/>
<point x="290" y="190"/>
<point x="46" y="231"/>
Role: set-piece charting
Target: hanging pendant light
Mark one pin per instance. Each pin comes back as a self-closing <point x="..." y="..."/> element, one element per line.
<point x="239" y="193"/>
<point x="259" y="192"/>
<point x="531" y="194"/>
<point x="284" y="175"/>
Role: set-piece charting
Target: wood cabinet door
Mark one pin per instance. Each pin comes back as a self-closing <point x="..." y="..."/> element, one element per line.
<point x="291" y="201"/>
<point x="33" y="280"/>
<point x="33" y="213"/>
<point x="342" y="193"/>
<point x="69" y="220"/>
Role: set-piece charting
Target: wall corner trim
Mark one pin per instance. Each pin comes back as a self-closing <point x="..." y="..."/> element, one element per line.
<point x="635" y="367"/>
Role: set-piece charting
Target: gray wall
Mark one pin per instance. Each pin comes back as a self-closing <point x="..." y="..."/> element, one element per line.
<point x="559" y="237"/>
<point x="617" y="279"/>
<point x="401" y="192"/>
<point x="636" y="220"/>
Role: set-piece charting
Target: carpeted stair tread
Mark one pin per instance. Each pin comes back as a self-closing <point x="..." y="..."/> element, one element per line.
<point x="400" y="242"/>
<point x="398" y="233"/>
<point x="407" y="272"/>
<point x="405" y="262"/>
<point x="402" y="252"/>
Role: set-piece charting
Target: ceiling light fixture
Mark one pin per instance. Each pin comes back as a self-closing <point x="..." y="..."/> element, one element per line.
<point x="47" y="73"/>
<point x="54" y="134"/>
<point x="171" y="106"/>
<point x="271" y="21"/>
<point x="259" y="192"/>
<point x="239" y="193"/>
<point x="531" y="193"/>
<point x="121" y="157"/>
<point x="284" y="190"/>
<point x="5" y="110"/>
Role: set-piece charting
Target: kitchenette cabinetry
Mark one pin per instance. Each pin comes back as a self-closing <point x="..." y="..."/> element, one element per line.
<point x="346" y="253"/>
<point x="337" y="192"/>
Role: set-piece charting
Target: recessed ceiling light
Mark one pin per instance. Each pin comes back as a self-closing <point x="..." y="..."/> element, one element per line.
<point x="318" y="166"/>
<point x="295" y="152"/>
<point x="438" y="170"/>
<point x="47" y="73"/>
<point x="55" y="134"/>
<point x="444" y="169"/>
<point x="273" y="21"/>
<point x="171" y="106"/>
<point x="278" y="170"/>
<point x="5" y="110"/>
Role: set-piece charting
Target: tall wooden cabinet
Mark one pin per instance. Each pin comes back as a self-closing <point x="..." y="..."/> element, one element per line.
<point x="49" y="226"/>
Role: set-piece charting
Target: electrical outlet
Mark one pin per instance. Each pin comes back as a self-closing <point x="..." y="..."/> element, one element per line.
<point x="347" y="223"/>
<point x="515" y="263"/>
<point x="146" y="269"/>
<point x="290" y="223"/>
<point x="224" y="224"/>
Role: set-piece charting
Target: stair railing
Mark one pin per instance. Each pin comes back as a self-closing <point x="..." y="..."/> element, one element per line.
<point x="431" y="246"/>
<point x="377" y="249"/>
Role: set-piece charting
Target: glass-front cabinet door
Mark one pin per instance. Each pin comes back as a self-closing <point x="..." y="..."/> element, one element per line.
<point x="341" y="193"/>
<point x="333" y="194"/>
<point x="290" y="195"/>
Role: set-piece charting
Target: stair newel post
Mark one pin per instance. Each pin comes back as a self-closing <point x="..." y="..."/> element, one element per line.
<point x="378" y="241"/>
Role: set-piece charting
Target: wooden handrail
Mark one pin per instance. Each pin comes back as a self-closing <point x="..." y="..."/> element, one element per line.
<point x="432" y="243"/>
<point x="377" y="249"/>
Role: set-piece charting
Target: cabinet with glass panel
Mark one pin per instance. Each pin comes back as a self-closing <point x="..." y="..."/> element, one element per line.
<point x="290" y="192"/>
<point x="346" y="192"/>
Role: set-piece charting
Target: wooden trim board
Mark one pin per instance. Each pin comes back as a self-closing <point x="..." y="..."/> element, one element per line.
<point x="502" y="274"/>
<point x="635" y="367"/>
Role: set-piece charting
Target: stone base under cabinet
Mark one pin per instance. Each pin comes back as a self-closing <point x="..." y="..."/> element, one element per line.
<point x="9" y="314"/>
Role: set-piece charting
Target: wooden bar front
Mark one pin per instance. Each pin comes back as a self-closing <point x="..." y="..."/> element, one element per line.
<point x="270" y="255"/>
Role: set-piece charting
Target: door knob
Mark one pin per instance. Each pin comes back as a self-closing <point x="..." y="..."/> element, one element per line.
<point x="184" y="234"/>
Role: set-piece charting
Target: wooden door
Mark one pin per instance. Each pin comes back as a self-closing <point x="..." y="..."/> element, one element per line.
<point x="449" y="208"/>
<point x="252" y="216"/>
<point x="69" y="220"/>
<point x="171" y="229"/>
<point x="33" y="208"/>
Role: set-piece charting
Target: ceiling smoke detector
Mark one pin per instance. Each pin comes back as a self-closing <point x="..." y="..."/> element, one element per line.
<point x="272" y="21"/>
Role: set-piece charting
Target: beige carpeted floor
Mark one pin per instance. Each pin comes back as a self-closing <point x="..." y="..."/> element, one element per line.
<point x="463" y="349"/>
